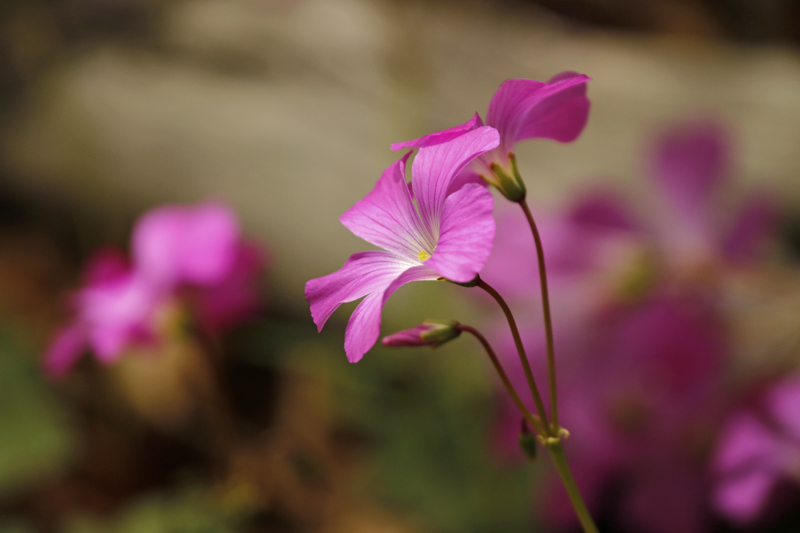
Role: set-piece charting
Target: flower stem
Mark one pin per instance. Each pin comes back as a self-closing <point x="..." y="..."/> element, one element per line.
<point x="553" y="444"/>
<point x="557" y="454"/>
<point x="526" y="366"/>
<point x="534" y="420"/>
<point x="548" y="321"/>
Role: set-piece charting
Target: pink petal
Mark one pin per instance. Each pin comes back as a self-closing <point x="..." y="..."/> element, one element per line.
<point x="742" y="498"/>
<point x="752" y="228"/>
<point x="106" y="265"/>
<point x="464" y="177"/>
<point x="64" y="351"/>
<point x="467" y="234"/>
<point x="364" y="327"/>
<point x="525" y="109"/>
<point x="562" y="114"/>
<point x="117" y="314"/>
<point x="362" y="274"/>
<point x="604" y="208"/>
<point x="408" y="337"/>
<point x="441" y="136"/>
<point x="435" y="168"/>
<point x="386" y="217"/>
<point x="179" y="244"/>
<point x="783" y="402"/>
<point x="745" y="444"/>
<point x="237" y="296"/>
<point x="690" y="166"/>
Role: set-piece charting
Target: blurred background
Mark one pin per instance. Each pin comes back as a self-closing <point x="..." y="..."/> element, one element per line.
<point x="284" y="110"/>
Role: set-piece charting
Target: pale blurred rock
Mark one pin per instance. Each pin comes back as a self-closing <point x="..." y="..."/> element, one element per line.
<point x="286" y="109"/>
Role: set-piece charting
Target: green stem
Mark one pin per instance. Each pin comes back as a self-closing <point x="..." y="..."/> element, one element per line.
<point x="557" y="454"/>
<point x="534" y="420"/>
<point x="548" y="321"/>
<point x="526" y="366"/>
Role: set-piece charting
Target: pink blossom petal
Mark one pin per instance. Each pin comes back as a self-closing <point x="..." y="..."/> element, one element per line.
<point x="408" y="337"/>
<point x="435" y="168"/>
<point x="441" y="136"/>
<point x="106" y="265"/>
<point x="464" y="177"/>
<point x="742" y="498"/>
<point x="176" y="244"/>
<point x="524" y="109"/>
<point x="364" y="327"/>
<point x="362" y="274"/>
<point x="690" y="166"/>
<point x="386" y="217"/>
<point x="235" y="297"/>
<point x="562" y="114"/>
<point x="605" y="208"/>
<point x="64" y="351"/>
<point x="783" y="401"/>
<point x="118" y="313"/>
<point x="467" y="234"/>
<point x="751" y="229"/>
<point x="745" y="444"/>
<point x="755" y="451"/>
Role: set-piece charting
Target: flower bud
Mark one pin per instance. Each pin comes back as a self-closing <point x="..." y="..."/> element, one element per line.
<point x="527" y="442"/>
<point x="426" y="334"/>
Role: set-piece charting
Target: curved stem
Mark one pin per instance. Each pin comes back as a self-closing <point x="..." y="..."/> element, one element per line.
<point x="557" y="454"/>
<point x="526" y="366"/>
<point x="548" y="321"/>
<point x="553" y="444"/>
<point x="534" y="420"/>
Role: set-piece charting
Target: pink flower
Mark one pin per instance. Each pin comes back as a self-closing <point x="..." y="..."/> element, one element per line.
<point x="193" y="253"/>
<point x="693" y="224"/>
<point x="520" y="109"/>
<point x="759" y="447"/>
<point x="448" y="236"/>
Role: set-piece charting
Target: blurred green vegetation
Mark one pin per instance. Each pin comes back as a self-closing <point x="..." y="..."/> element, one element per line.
<point x="417" y="424"/>
<point x="37" y="440"/>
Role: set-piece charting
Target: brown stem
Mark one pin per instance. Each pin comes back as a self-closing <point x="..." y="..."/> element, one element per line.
<point x="526" y="366"/>
<point x="548" y="321"/>
<point x="534" y="420"/>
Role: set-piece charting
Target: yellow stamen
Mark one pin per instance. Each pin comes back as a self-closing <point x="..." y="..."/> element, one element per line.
<point x="423" y="255"/>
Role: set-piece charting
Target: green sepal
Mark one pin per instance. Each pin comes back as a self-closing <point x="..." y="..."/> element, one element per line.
<point x="440" y="332"/>
<point x="509" y="184"/>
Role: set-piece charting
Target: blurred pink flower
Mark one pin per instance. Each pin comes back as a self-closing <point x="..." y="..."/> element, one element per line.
<point x="179" y="253"/>
<point x="603" y="245"/>
<point x="639" y="331"/>
<point x="443" y="236"/>
<point x="758" y="448"/>
<point x="520" y="109"/>
<point x="694" y="223"/>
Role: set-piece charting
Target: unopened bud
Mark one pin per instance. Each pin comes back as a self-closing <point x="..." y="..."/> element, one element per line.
<point x="527" y="441"/>
<point x="426" y="334"/>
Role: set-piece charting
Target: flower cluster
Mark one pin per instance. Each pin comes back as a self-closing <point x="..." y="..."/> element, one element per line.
<point x="186" y="263"/>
